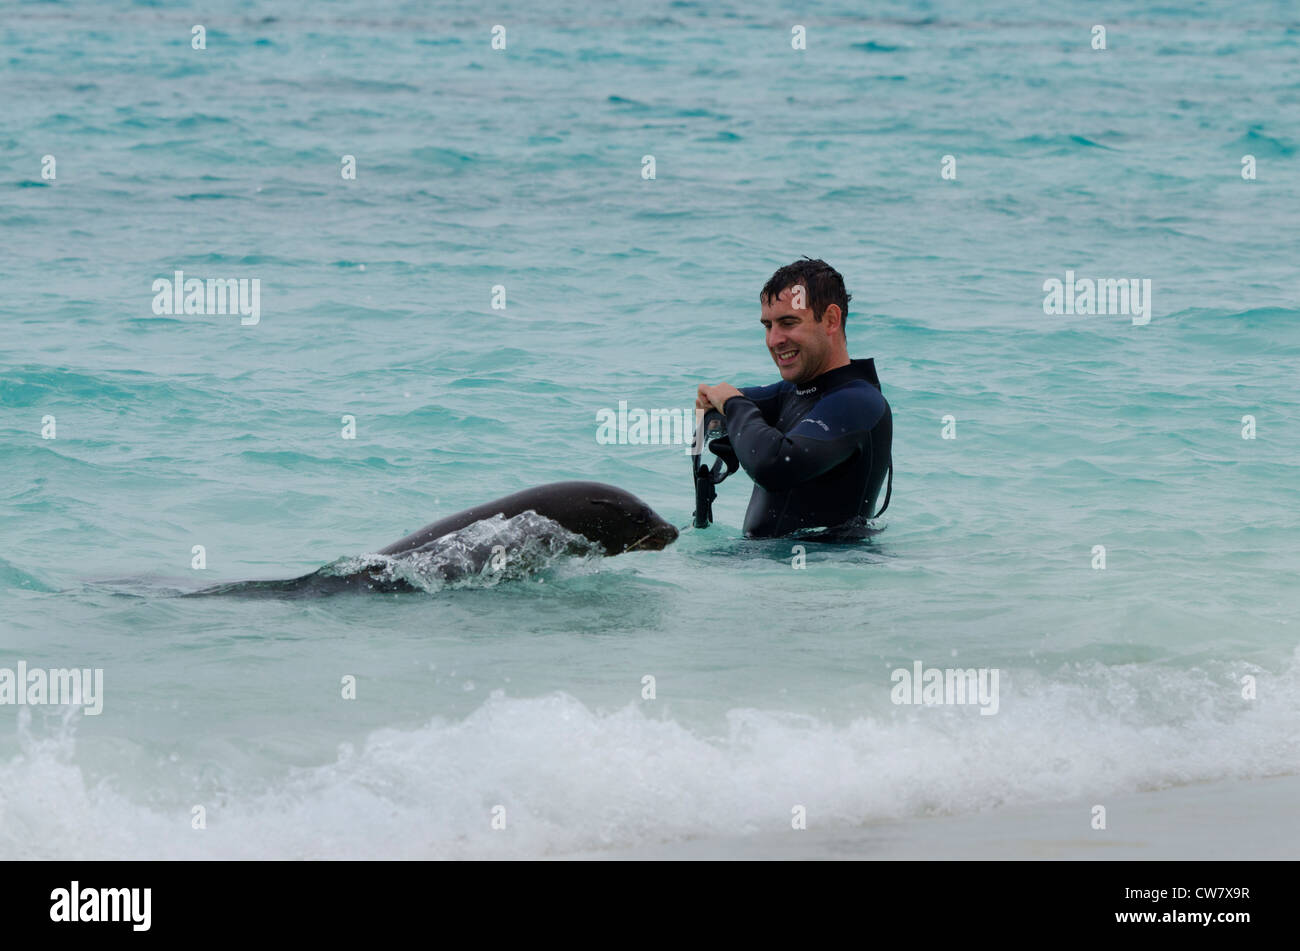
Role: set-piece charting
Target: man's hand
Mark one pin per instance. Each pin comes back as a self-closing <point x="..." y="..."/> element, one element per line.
<point x="714" y="397"/>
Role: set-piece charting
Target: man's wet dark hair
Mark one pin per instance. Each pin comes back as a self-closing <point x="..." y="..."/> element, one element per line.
<point x="824" y="284"/>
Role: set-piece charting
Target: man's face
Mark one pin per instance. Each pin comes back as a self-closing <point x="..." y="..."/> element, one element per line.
<point x="800" y="345"/>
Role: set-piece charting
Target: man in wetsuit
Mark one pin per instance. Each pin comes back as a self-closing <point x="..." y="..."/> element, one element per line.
<point x="817" y="444"/>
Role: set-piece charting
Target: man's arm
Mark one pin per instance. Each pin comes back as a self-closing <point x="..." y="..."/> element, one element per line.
<point x="829" y="433"/>
<point x="767" y="398"/>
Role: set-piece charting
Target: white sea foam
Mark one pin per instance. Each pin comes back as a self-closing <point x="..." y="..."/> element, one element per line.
<point x="575" y="780"/>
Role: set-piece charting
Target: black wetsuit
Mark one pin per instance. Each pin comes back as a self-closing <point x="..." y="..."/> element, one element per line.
<point x="817" y="453"/>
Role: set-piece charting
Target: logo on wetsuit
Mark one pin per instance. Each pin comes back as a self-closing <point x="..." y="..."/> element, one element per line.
<point x="811" y="389"/>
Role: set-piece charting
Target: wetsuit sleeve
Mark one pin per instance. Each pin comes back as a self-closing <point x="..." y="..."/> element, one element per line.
<point x="830" y="432"/>
<point x="766" y="398"/>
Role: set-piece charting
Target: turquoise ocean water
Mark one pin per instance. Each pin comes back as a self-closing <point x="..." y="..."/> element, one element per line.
<point x="522" y="168"/>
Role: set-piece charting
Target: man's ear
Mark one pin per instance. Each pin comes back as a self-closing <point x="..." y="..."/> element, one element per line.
<point x="833" y="327"/>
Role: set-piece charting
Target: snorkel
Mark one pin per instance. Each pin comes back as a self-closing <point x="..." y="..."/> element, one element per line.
<point x="710" y="426"/>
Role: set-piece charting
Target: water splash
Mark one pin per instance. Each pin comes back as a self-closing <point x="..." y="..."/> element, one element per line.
<point x="482" y="555"/>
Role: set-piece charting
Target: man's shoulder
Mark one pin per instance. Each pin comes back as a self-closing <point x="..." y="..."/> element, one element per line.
<point x="855" y="400"/>
<point x="767" y="390"/>
<point x="856" y="390"/>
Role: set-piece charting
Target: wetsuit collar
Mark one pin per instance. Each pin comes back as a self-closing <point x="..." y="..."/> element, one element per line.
<point x="853" y="370"/>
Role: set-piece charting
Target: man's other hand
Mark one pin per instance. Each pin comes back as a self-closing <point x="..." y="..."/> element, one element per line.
<point x="714" y="397"/>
